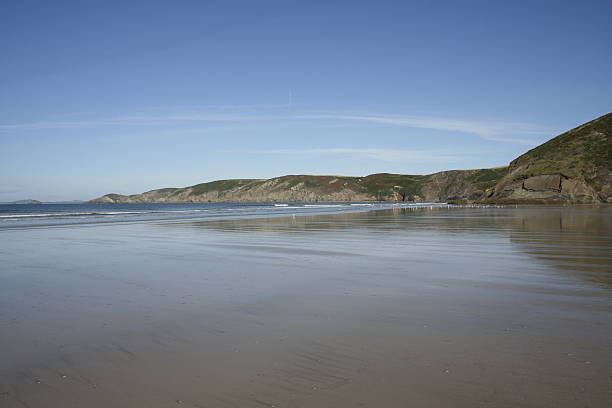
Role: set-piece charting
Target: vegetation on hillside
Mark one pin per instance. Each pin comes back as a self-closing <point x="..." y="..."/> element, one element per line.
<point x="484" y="179"/>
<point x="219" y="185"/>
<point x="581" y="149"/>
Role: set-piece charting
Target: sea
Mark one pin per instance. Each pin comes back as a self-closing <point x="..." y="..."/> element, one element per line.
<point x="32" y="215"/>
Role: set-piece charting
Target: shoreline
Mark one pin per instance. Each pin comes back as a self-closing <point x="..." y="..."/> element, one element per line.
<point x="348" y="210"/>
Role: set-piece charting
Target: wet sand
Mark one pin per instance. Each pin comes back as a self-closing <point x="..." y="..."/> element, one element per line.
<point x="456" y="307"/>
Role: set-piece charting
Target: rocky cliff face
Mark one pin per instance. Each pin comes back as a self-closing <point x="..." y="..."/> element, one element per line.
<point x="573" y="167"/>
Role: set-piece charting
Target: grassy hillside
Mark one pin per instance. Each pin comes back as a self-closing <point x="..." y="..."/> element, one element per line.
<point x="586" y="148"/>
<point x="580" y="159"/>
<point x="448" y="185"/>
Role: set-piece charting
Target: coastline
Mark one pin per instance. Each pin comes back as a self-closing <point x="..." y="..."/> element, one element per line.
<point x="63" y="215"/>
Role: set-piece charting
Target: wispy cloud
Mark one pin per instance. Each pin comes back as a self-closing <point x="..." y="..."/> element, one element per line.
<point x="490" y="130"/>
<point x="500" y="131"/>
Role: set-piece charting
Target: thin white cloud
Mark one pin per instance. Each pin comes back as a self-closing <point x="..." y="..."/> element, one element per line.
<point x="512" y="132"/>
<point x="486" y="129"/>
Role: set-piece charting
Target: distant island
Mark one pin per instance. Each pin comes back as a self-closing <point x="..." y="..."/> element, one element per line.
<point x="29" y="201"/>
<point x="573" y="167"/>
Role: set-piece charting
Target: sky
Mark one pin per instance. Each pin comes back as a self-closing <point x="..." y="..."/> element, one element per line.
<point x="125" y="97"/>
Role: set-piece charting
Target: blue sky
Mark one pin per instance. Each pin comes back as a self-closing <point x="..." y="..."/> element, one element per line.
<point x="99" y="97"/>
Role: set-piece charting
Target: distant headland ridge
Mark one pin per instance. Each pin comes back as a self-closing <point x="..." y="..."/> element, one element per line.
<point x="573" y="167"/>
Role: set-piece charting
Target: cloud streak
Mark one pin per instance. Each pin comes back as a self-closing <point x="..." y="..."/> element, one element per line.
<point x="511" y="132"/>
<point x="489" y="130"/>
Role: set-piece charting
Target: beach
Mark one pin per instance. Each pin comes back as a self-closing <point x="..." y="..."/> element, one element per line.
<point x="421" y="307"/>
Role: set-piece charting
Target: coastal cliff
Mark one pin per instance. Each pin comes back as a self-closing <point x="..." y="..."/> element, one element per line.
<point x="573" y="167"/>
<point x="443" y="186"/>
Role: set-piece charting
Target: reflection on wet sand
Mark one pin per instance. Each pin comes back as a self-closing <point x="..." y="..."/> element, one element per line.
<point x="574" y="239"/>
<point x="445" y="307"/>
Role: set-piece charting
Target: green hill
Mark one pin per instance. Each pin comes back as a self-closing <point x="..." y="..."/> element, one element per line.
<point x="443" y="186"/>
<point x="574" y="166"/>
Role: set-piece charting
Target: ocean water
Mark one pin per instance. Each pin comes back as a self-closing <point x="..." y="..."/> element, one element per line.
<point x="433" y="306"/>
<point x="30" y="215"/>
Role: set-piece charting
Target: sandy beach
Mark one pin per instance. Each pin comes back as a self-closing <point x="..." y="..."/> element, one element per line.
<point x="464" y="307"/>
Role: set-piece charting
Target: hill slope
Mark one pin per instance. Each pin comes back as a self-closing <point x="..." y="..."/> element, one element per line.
<point x="572" y="167"/>
<point x="447" y="185"/>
